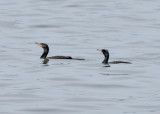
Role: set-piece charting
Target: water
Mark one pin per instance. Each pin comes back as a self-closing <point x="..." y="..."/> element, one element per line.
<point x="129" y="29"/>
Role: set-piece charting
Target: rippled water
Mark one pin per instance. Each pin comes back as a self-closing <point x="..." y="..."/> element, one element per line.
<point x="129" y="29"/>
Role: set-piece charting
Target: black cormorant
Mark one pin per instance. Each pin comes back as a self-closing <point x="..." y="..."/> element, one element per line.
<point x="106" y="58"/>
<point x="46" y="51"/>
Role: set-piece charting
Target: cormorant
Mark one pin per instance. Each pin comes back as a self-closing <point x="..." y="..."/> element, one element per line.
<point x="106" y="58"/>
<point x="46" y="51"/>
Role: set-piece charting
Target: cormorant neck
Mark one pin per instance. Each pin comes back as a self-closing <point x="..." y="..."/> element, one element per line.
<point x="45" y="53"/>
<point x="106" y="55"/>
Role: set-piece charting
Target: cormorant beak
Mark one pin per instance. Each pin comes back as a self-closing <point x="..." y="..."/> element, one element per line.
<point x="40" y="44"/>
<point x="100" y="50"/>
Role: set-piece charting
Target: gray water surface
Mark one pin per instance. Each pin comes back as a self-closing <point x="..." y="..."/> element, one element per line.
<point x="129" y="29"/>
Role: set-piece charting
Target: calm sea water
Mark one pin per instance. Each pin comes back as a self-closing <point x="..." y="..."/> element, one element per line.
<point x="129" y="29"/>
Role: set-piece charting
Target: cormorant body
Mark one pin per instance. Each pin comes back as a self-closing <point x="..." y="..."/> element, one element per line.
<point x="46" y="51"/>
<point x="106" y="58"/>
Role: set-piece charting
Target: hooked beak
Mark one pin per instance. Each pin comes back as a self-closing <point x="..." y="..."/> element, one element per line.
<point x="39" y="44"/>
<point x="100" y="50"/>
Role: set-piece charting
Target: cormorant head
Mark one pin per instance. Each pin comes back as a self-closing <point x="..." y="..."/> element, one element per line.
<point x="106" y="55"/>
<point x="43" y="45"/>
<point x="46" y="49"/>
<point x="104" y="52"/>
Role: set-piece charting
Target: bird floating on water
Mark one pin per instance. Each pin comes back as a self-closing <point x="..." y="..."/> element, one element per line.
<point x="46" y="51"/>
<point x="105" y="52"/>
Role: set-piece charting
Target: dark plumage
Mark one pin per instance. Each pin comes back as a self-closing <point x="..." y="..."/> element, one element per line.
<point x="106" y="58"/>
<point x="46" y="51"/>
